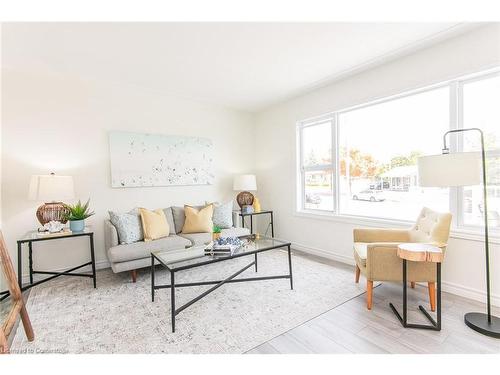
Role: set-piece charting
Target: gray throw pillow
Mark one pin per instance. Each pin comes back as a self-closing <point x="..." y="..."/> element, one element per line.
<point x="128" y="225"/>
<point x="223" y="215"/>
<point x="170" y="219"/>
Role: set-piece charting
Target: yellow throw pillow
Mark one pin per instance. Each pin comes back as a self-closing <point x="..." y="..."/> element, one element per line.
<point x="198" y="221"/>
<point x="154" y="224"/>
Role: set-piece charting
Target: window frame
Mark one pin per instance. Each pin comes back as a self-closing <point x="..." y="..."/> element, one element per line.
<point x="302" y="169"/>
<point x="455" y="87"/>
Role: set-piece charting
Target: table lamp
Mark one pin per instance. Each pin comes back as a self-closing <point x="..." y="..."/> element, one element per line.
<point x="464" y="169"/>
<point x="243" y="183"/>
<point x="51" y="189"/>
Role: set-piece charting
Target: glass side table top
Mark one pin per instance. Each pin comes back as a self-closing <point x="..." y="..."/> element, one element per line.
<point x="34" y="235"/>
<point x="194" y="256"/>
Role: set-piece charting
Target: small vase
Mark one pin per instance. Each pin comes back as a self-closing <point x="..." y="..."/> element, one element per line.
<point x="77" y="225"/>
<point x="215" y="236"/>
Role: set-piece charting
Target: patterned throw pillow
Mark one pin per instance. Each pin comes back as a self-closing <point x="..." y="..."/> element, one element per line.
<point x="128" y="225"/>
<point x="223" y="215"/>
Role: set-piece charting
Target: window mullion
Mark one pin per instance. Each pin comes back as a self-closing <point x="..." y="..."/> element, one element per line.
<point x="336" y="162"/>
<point x="456" y="193"/>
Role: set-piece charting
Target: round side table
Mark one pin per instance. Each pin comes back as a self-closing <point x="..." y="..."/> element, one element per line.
<point x="420" y="252"/>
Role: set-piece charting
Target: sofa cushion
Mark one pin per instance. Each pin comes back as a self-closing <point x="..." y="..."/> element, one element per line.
<point x="128" y="226"/>
<point x="197" y="238"/>
<point x="170" y="219"/>
<point x="138" y="250"/>
<point x="235" y="232"/>
<point x="198" y="221"/>
<point x="361" y="250"/>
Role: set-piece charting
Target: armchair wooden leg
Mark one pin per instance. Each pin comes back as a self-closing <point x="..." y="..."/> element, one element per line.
<point x="133" y="273"/>
<point x="369" y="294"/>
<point x="432" y="295"/>
<point x="412" y="284"/>
<point x="358" y="271"/>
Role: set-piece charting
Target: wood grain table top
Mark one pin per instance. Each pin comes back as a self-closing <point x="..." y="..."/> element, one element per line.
<point x="420" y="252"/>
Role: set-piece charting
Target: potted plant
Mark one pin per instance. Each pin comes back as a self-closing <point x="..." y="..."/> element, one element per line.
<point x="216" y="232"/>
<point x="77" y="214"/>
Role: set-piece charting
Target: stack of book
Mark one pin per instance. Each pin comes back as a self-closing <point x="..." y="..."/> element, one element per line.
<point x="223" y="246"/>
<point x="221" y="251"/>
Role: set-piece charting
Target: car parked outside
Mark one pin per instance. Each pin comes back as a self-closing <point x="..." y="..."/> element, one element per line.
<point x="369" y="195"/>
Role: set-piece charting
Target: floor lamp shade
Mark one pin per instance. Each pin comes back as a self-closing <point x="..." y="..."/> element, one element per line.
<point x="52" y="190"/>
<point x="445" y="170"/>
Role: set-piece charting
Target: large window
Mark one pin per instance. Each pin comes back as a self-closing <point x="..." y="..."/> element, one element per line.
<point x="363" y="161"/>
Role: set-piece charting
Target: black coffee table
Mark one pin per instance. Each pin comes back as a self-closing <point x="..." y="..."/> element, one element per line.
<point x="184" y="259"/>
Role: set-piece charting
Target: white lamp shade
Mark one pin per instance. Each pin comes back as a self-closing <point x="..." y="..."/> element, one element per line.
<point x="51" y="188"/>
<point x="245" y="182"/>
<point x="456" y="169"/>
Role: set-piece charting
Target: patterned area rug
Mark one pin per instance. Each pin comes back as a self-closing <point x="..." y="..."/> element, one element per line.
<point x="69" y="316"/>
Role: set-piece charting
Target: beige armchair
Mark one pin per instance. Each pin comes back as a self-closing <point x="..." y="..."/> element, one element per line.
<point x="376" y="258"/>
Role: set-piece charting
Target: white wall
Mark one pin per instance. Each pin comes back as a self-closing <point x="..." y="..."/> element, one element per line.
<point x="60" y="124"/>
<point x="463" y="271"/>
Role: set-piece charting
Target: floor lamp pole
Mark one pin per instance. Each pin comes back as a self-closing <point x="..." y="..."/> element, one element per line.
<point x="483" y="323"/>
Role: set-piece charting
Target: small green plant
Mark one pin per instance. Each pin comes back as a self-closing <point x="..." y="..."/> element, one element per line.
<point x="217" y="229"/>
<point x="78" y="211"/>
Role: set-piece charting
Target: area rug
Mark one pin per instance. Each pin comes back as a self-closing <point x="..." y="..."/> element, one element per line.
<point x="69" y="316"/>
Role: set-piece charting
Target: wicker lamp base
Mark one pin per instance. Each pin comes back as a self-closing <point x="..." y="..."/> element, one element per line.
<point x="51" y="211"/>
<point x="244" y="198"/>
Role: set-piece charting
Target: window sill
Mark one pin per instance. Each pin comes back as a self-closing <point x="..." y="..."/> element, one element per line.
<point x="457" y="233"/>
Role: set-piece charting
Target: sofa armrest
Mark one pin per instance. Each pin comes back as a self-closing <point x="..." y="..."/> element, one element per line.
<point x="110" y="235"/>
<point x="381" y="235"/>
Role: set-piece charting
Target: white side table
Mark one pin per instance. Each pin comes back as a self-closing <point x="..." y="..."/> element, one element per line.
<point x="419" y="252"/>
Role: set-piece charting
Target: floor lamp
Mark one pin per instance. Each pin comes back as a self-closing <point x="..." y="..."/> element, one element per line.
<point x="464" y="169"/>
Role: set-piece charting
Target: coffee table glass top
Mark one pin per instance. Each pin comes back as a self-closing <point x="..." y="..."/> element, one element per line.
<point x="193" y="256"/>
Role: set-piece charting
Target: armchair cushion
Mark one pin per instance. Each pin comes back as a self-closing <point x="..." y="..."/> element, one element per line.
<point x="431" y="227"/>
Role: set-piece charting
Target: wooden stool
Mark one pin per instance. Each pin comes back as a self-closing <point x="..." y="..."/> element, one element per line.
<point x="419" y="252"/>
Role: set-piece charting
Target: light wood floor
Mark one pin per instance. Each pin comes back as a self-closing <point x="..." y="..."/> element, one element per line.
<point x="351" y="328"/>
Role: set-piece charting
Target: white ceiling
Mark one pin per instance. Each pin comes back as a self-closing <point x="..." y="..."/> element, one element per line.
<point x="246" y="66"/>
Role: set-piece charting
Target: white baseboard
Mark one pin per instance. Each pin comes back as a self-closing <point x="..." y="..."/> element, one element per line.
<point x="99" y="265"/>
<point x="323" y="253"/>
<point x="449" y="287"/>
<point x="471" y="293"/>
